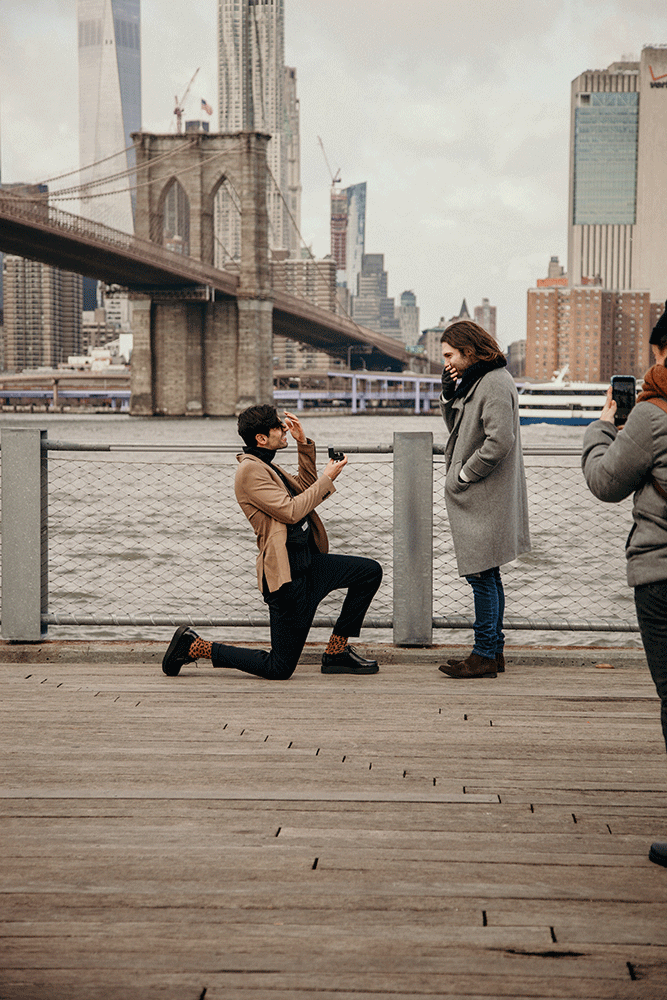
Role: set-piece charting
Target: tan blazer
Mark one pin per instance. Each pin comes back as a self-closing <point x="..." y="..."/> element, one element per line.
<point x="269" y="508"/>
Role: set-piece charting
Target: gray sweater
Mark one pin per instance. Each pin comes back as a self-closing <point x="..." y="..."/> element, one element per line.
<point x="618" y="463"/>
<point x="489" y="515"/>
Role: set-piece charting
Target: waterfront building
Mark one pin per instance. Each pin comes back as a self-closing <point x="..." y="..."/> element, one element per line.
<point x="595" y="331"/>
<point x="371" y="306"/>
<point x="516" y="358"/>
<point x="117" y="307"/>
<point x="315" y="281"/>
<point x="306" y="278"/>
<point x="256" y="92"/>
<point x="485" y="316"/>
<point x="42" y="314"/>
<point x="430" y="341"/>
<point x="408" y="316"/>
<point x="618" y="175"/>
<point x="109" y="36"/>
<point x="96" y="329"/>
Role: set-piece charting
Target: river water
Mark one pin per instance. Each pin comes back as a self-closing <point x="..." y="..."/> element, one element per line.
<point x="367" y="430"/>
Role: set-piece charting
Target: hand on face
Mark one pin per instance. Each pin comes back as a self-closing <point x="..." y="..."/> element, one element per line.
<point x="295" y="428"/>
<point x="456" y="361"/>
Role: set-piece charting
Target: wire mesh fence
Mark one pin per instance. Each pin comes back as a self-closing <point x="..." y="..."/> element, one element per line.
<point x="576" y="567"/>
<point x="157" y="536"/>
<point x="154" y="535"/>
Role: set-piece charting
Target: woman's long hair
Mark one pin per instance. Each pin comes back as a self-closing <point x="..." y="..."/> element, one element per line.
<point x="472" y="339"/>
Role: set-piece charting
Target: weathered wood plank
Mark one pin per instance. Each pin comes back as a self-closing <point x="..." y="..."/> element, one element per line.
<point x="404" y="835"/>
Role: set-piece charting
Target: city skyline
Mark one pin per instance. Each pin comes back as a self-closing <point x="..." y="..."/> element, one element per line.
<point x="458" y="120"/>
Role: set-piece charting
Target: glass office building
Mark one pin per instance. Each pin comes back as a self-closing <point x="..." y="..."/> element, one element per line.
<point x="605" y="159"/>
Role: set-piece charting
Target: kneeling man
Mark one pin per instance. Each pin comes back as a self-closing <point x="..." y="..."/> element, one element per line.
<point x="294" y="568"/>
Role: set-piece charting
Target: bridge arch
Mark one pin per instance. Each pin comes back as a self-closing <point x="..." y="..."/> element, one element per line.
<point x="225" y="202"/>
<point x="173" y="218"/>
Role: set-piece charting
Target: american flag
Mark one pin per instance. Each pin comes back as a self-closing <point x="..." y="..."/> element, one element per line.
<point x="207" y="107"/>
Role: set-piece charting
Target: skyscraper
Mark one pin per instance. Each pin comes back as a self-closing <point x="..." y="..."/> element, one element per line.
<point x="485" y="316"/>
<point x="109" y="104"/>
<point x="371" y="307"/>
<point x="258" y="93"/>
<point x="355" y="237"/>
<point x="618" y="175"/>
<point x="408" y="315"/>
<point x="42" y="304"/>
<point x="42" y="307"/>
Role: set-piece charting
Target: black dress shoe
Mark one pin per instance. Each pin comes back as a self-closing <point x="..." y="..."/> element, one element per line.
<point x="658" y="853"/>
<point x="348" y="662"/>
<point x="179" y="647"/>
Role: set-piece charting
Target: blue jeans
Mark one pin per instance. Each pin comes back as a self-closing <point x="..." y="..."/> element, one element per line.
<point x="487" y="588"/>
<point x="651" y="605"/>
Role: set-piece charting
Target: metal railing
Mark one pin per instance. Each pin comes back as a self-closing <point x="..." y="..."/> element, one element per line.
<point x="134" y="535"/>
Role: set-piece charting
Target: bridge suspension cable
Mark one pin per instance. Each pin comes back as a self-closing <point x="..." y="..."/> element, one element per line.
<point x="64" y="195"/>
<point x="108" y="178"/>
<point x="78" y="170"/>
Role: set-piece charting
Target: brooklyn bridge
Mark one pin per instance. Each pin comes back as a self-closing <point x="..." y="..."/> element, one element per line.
<point x="203" y="334"/>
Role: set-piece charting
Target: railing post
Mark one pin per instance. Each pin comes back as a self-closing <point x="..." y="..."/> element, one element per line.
<point x="413" y="539"/>
<point x="24" y="534"/>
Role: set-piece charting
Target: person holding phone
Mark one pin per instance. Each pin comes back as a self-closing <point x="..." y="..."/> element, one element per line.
<point x="618" y="461"/>
<point x="295" y="570"/>
<point x="485" y="486"/>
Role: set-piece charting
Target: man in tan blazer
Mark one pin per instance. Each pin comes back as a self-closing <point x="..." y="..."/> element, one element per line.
<point x="295" y="570"/>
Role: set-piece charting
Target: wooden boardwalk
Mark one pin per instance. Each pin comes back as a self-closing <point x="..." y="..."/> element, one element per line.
<point x="330" y="838"/>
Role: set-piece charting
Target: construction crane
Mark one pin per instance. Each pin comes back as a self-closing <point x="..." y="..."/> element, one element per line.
<point x="178" y="110"/>
<point x="336" y="179"/>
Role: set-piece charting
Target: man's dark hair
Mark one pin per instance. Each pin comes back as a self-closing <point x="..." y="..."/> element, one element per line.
<point x="472" y="340"/>
<point x="257" y="420"/>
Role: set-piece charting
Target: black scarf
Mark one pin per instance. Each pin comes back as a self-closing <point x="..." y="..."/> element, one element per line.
<point x="474" y="374"/>
<point x="265" y="454"/>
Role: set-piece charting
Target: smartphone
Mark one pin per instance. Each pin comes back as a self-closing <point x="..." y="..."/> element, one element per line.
<point x="624" y="394"/>
<point x="336" y="456"/>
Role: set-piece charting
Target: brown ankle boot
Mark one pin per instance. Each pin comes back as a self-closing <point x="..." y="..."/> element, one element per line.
<point x="473" y="666"/>
<point x="500" y="662"/>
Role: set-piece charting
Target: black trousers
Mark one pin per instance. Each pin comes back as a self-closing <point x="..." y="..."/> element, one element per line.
<point x="293" y="607"/>
<point x="651" y="605"/>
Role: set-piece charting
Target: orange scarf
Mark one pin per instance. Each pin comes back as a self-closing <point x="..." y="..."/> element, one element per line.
<point x="654" y="389"/>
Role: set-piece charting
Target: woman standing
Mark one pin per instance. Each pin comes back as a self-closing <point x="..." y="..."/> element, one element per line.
<point x="485" y="488"/>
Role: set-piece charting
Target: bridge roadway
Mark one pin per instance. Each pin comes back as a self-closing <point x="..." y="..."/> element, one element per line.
<point x="41" y="232"/>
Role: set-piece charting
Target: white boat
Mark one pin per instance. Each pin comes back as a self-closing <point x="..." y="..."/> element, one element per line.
<point x="560" y="401"/>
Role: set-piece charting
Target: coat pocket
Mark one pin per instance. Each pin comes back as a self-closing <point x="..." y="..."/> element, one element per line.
<point x="453" y="483"/>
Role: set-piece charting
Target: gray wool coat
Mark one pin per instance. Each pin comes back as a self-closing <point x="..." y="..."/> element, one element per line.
<point x="488" y="516"/>
<point x="618" y="463"/>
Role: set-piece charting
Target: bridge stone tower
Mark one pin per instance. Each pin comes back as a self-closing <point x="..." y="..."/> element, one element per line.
<point x="197" y="353"/>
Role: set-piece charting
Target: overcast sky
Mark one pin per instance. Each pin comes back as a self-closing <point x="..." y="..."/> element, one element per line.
<point x="456" y="115"/>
